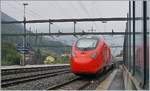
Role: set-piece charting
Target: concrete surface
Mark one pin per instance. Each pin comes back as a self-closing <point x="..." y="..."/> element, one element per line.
<point x="113" y="82"/>
<point x="117" y="83"/>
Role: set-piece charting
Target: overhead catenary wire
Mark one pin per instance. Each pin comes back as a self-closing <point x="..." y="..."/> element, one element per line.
<point x="29" y="10"/>
<point x="86" y="11"/>
<point x="32" y="12"/>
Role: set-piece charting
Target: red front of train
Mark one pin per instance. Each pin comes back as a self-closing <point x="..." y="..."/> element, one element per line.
<point x="89" y="56"/>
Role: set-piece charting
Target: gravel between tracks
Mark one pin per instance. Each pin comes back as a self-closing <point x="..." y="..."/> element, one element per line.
<point x="41" y="84"/>
<point x="96" y="81"/>
<point x="28" y="74"/>
<point x="93" y="85"/>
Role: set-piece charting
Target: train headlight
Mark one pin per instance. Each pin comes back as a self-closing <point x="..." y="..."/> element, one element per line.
<point x="73" y="54"/>
<point x="93" y="55"/>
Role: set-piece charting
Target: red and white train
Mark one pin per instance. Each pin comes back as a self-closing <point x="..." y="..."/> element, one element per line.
<point x="89" y="56"/>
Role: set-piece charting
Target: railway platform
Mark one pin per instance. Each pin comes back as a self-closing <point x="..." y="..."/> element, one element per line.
<point x="114" y="81"/>
<point x="31" y="66"/>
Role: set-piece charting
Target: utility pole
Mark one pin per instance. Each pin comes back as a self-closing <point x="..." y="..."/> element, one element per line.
<point x="24" y="40"/>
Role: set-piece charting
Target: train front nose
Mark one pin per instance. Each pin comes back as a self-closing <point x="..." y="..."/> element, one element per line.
<point x="84" y="65"/>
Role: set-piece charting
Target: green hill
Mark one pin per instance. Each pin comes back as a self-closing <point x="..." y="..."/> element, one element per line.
<point x="32" y="40"/>
<point x="9" y="42"/>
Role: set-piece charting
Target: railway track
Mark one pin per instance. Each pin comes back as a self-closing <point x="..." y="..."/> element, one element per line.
<point x="80" y="83"/>
<point x="14" y="81"/>
<point x="77" y="83"/>
<point x="31" y="77"/>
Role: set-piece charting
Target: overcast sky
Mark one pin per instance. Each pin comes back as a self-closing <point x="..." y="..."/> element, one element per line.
<point x="69" y="9"/>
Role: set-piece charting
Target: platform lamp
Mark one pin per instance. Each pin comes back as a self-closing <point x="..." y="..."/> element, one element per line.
<point x="24" y="42"/>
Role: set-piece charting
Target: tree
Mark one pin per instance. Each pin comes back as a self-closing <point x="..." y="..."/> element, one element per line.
<point x="9" y="54"/>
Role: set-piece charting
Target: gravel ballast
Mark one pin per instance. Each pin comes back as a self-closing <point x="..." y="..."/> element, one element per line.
<point x="41" y="84"/>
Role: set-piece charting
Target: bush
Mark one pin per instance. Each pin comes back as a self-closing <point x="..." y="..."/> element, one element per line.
<point x="9" y="54"/>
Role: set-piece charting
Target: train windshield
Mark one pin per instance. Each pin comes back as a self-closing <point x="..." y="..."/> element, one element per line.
<point x="86" y="44"/>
